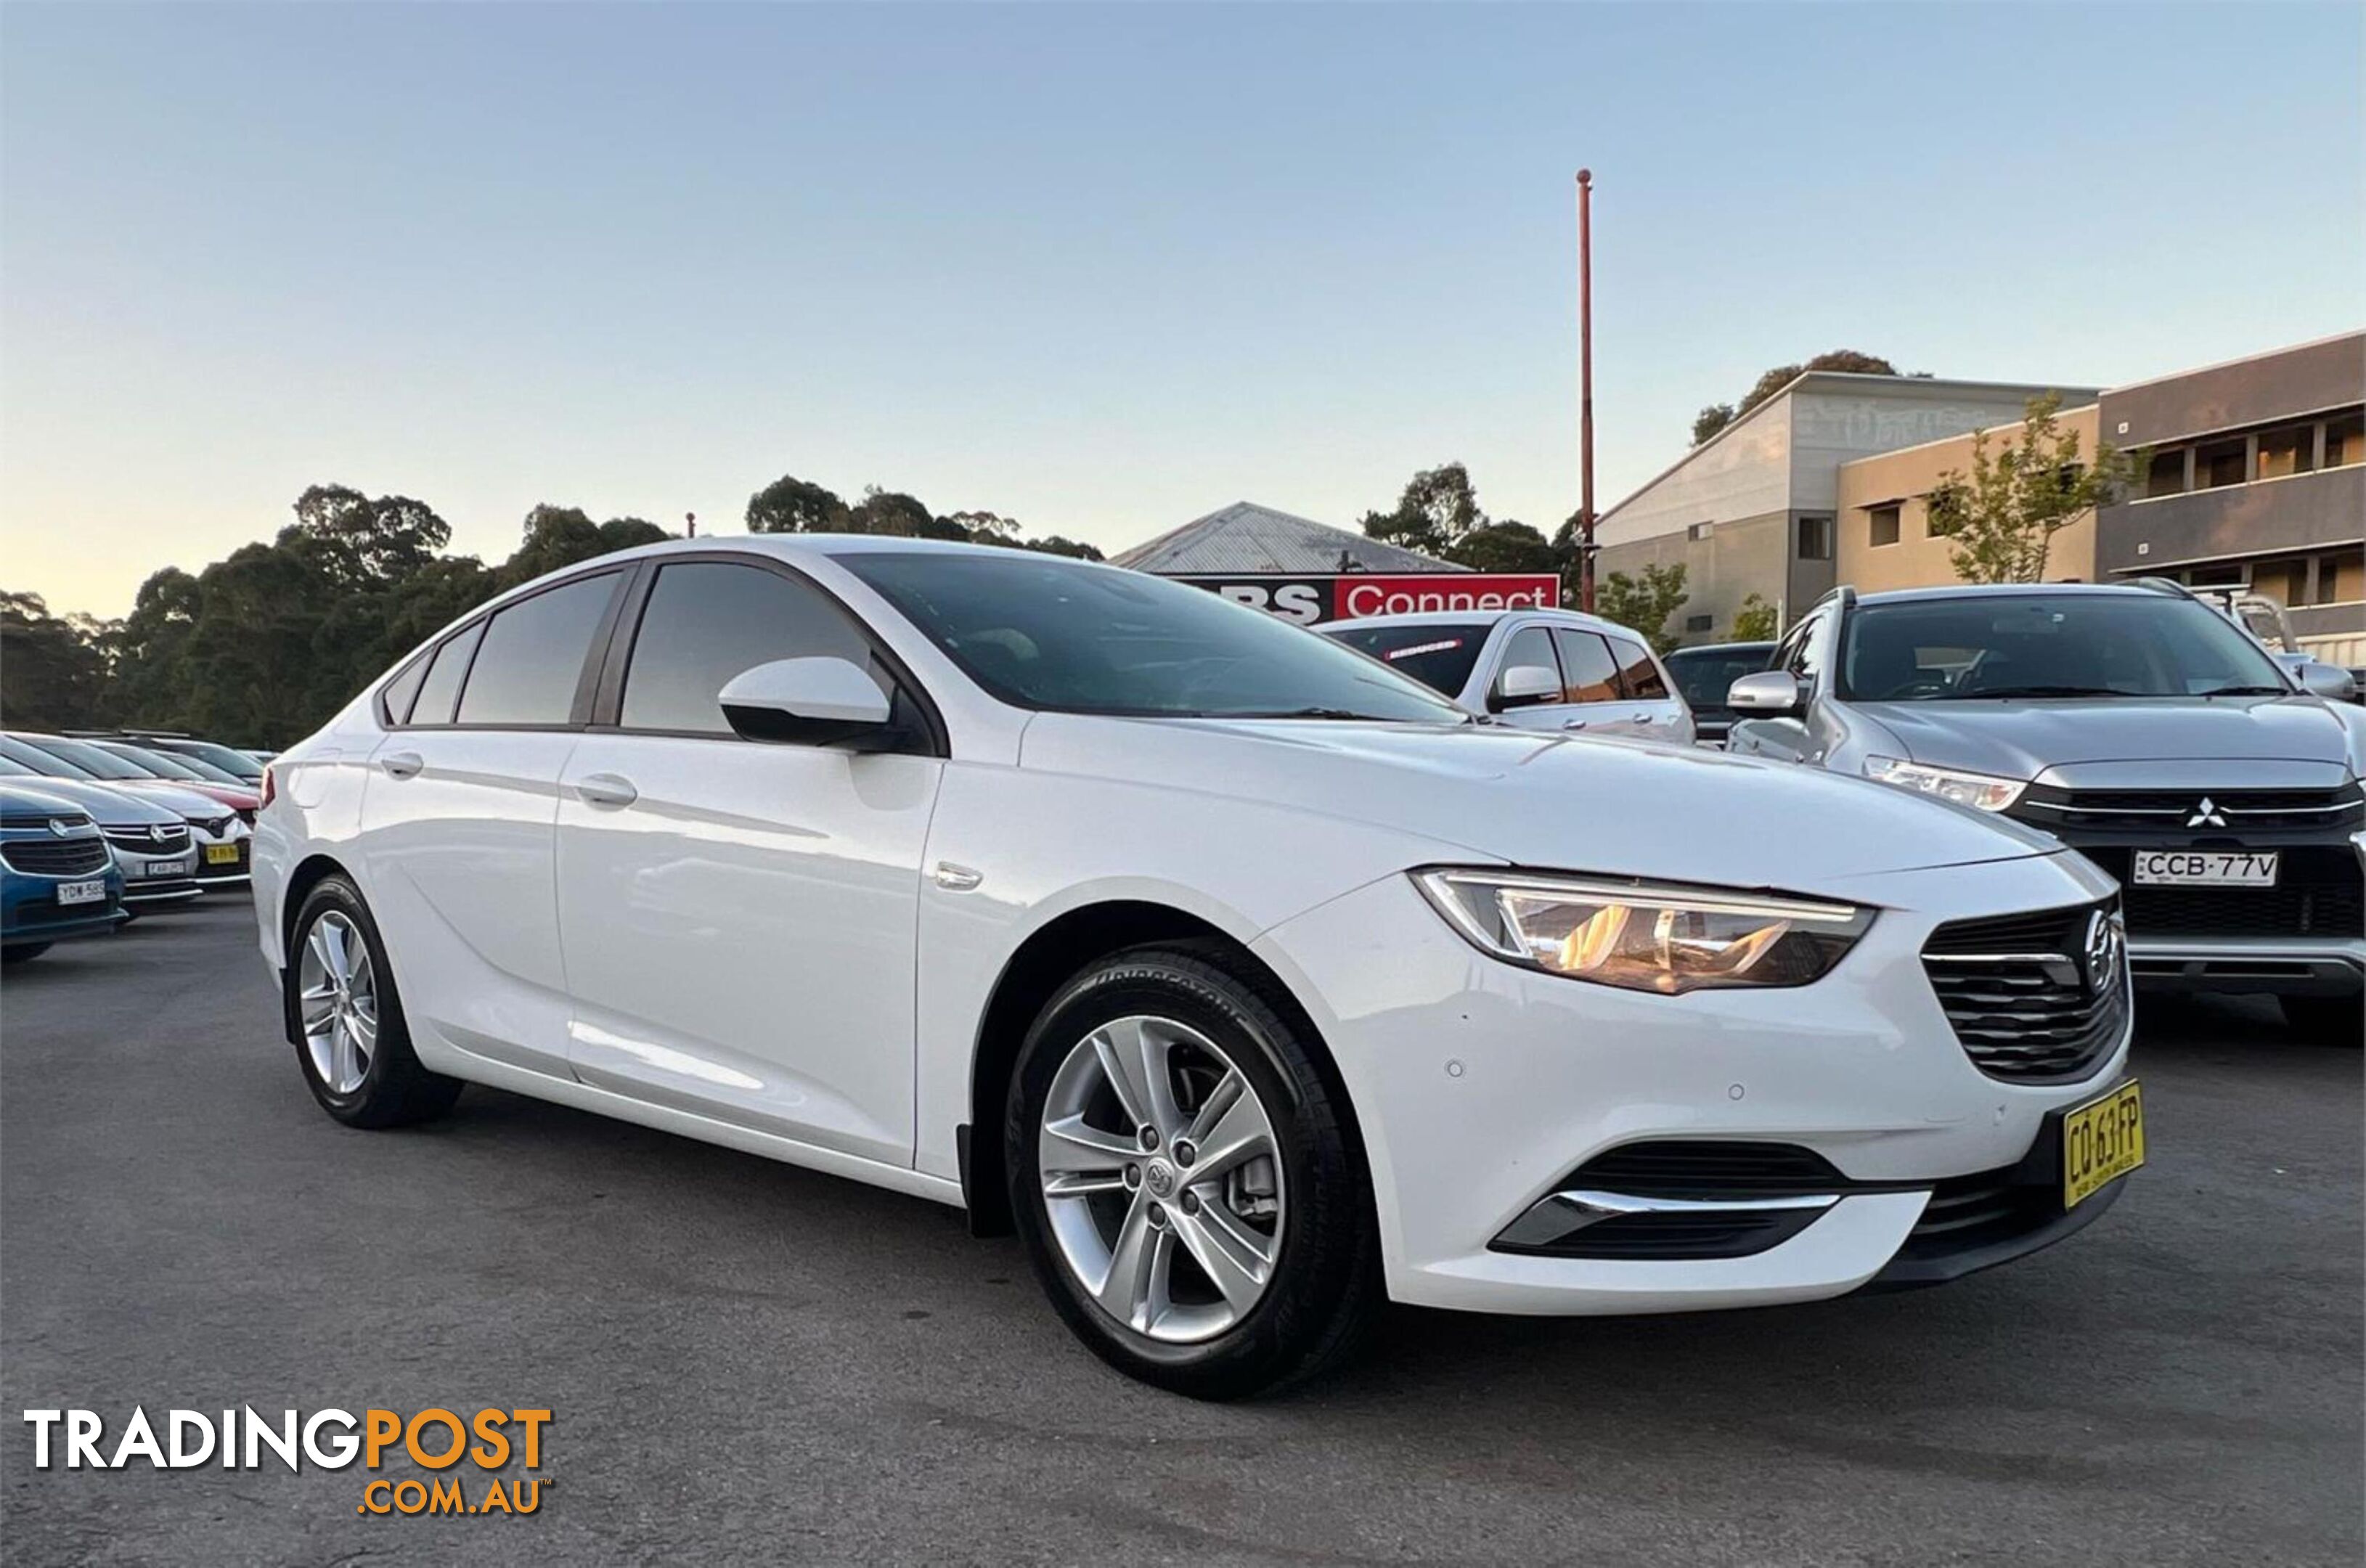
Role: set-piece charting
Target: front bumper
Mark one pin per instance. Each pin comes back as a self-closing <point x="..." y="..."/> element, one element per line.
<point x="152" y="882"/>
<point x="2323" y="966"/>
<point x="235" y="872"/>
<point x="1478" y="1086"/>
<point x="2303" y="937"/>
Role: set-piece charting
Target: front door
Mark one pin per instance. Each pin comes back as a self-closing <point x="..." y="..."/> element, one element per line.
<point x="739" y="918"/>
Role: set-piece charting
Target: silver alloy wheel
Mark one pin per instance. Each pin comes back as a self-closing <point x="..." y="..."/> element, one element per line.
<point x="1161" y="1179"/>
<point x="337" y="992"/>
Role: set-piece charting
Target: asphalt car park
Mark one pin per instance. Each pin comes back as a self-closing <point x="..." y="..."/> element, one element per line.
<point x="749" y="1361"/>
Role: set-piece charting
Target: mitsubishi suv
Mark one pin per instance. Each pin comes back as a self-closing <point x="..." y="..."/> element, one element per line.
<point x="2136" y="724"/>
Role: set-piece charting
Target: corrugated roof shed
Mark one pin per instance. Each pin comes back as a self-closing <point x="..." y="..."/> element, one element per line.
<point x="1257" y="540"/>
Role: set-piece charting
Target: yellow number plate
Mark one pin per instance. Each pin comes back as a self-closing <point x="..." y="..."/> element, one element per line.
<point x="2101" y="1141"/>
<point x="222" y="854"/>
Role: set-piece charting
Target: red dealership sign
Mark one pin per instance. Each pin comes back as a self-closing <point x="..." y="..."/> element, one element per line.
<point x="1311" y="600"/>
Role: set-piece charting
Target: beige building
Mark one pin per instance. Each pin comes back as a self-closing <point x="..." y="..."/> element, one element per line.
<point x="1883" y="524"/>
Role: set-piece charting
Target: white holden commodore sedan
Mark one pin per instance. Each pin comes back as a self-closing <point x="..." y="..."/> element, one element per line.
<point x="1247" y="979"/>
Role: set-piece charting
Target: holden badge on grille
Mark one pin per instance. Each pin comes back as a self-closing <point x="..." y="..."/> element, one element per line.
<point x="2106" y="950"/>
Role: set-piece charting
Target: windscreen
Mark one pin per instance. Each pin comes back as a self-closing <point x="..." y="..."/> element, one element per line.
<point x="2137" y="643"/>
<point x="1039" y="631"/>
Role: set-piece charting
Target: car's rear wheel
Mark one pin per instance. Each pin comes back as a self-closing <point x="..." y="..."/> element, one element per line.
<point x="18" y="952"/>
<point x="2337" y="1021"/>
<point x="351" y="1040"/>
<point x="1184" y="1179"/>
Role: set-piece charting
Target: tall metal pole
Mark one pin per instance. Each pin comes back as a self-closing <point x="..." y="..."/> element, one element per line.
<point x="1586" y="390"/>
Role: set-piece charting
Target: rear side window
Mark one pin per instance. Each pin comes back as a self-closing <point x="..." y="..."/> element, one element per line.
<point x="1587" y="666"/>
<point x="708" y="621"/>
<point x="1637" y="676"/>
<point x="1439" y="657"/>
<point x="395" y="697"/>
<point x="532" y="659"/>
<point x="1529" y="645"/>
<point x="441" y="690"/>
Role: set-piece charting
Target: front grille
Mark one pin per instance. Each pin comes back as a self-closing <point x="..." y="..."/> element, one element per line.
<point x="139" y="840"/>
<point x="56" y="857"/>
<point x="1691" y="1168"/>
<point x="2182" y="810"/>
<point x="2017" y="990"/>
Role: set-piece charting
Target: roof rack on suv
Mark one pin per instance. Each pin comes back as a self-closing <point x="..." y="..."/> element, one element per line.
<point x="2168" y="585"/>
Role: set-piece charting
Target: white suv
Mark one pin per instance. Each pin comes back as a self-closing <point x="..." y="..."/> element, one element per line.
<point x="1552" y="669"/>
<point x="1250" y="981"/>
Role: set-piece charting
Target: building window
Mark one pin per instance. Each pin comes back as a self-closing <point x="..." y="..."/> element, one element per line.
<point x="1698" y="532"/>
<point x="2292" y="450"/>
<point x="2221" y="574"/>
<point x="2345" y="440"/>
<point x="2218" y="463"/>
<point x="1883" y="525"/>
<point x="1814" y="538"/>
<point x="2165" y="475"/>
<point x="1699" y="623"/>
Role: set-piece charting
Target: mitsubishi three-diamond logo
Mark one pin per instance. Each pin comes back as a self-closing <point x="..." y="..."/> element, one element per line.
<point x="2207" y="814"/>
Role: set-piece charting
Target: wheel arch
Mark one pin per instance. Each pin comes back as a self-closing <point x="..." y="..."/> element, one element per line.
<point x="1052" y="955"/>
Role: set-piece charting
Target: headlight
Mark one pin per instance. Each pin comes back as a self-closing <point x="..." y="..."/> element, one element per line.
<point x="1983" y="791"/>
<point x="1644" y="937"/>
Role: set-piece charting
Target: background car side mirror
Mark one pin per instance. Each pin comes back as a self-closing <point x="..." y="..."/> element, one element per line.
<point x="1525" y="684"/>
<point x="1766" y="692"/>
<point x="2330" y="682"/>
<point x="805" y="702"/>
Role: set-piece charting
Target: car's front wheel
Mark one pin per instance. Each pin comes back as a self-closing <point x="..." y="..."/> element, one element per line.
<point x="1185" y="1181"/>
<point x="21" y="952"/>
<point x="351" y="1040"/>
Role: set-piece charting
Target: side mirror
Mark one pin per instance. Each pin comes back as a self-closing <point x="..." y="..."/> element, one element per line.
<point x="2330" y="682"/>
<point x="805" y="702"/>
<point x="1766" y="692"/>
<point x="1526" y="683"/>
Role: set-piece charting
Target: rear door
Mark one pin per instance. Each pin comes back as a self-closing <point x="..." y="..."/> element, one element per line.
<point x="459" y="822"/>
<point x="739" y="918"/>
<point x="1648" y="704"/>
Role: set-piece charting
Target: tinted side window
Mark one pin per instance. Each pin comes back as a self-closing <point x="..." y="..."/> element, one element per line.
<point x="533" y="655"/>
<point x="1530" y="645"/>
<point x="442" y="688"/>
<point x="706" y="622"/>
<point x="1637" y="676"/>
<point x="1587" y="666"/>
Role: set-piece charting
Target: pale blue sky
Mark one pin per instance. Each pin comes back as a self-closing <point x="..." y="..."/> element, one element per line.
<point x="1102" y="269"/>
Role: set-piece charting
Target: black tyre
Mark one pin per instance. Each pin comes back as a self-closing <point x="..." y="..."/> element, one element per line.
<point x="351" y="1042"/>
<point x="2336" y="1021"/>
<point x="1185" y="1180"/>
<point x="18" y="952"/>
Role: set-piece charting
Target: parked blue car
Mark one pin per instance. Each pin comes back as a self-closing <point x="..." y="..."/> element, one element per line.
<point x="57" y="878"/>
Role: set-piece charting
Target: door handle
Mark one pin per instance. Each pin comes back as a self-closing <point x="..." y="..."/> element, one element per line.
<point x="401" y="764"/>
<point x="1572" y="724"/>
<point x="606" y="789"/>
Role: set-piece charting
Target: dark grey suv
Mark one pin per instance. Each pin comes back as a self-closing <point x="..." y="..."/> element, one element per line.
<point x="2135" y="723"/>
